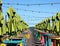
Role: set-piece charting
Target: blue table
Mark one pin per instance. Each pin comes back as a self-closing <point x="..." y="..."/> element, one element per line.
<point x="15" y="42"/>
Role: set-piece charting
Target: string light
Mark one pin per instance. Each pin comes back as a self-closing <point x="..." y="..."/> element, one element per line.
<point x="53" y="3"/>
<point x="32" y="10"/>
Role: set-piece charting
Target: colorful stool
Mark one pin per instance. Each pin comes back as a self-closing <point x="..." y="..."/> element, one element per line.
<point x="57" y="41"/>
<point x="21" y="44"/>
<point x="2" y="44"/>
<point x="48" y="40"/>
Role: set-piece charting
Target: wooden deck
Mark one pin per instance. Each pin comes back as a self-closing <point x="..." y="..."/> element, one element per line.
<point x="33" y="41"/>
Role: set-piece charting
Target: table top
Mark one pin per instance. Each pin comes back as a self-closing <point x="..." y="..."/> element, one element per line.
<point x="11" y="41"/>
<point x="54" y="37"/>
<point x="49" y="35"/>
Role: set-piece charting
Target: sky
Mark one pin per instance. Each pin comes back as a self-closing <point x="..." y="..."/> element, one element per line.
<point x="32" y="18"/>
